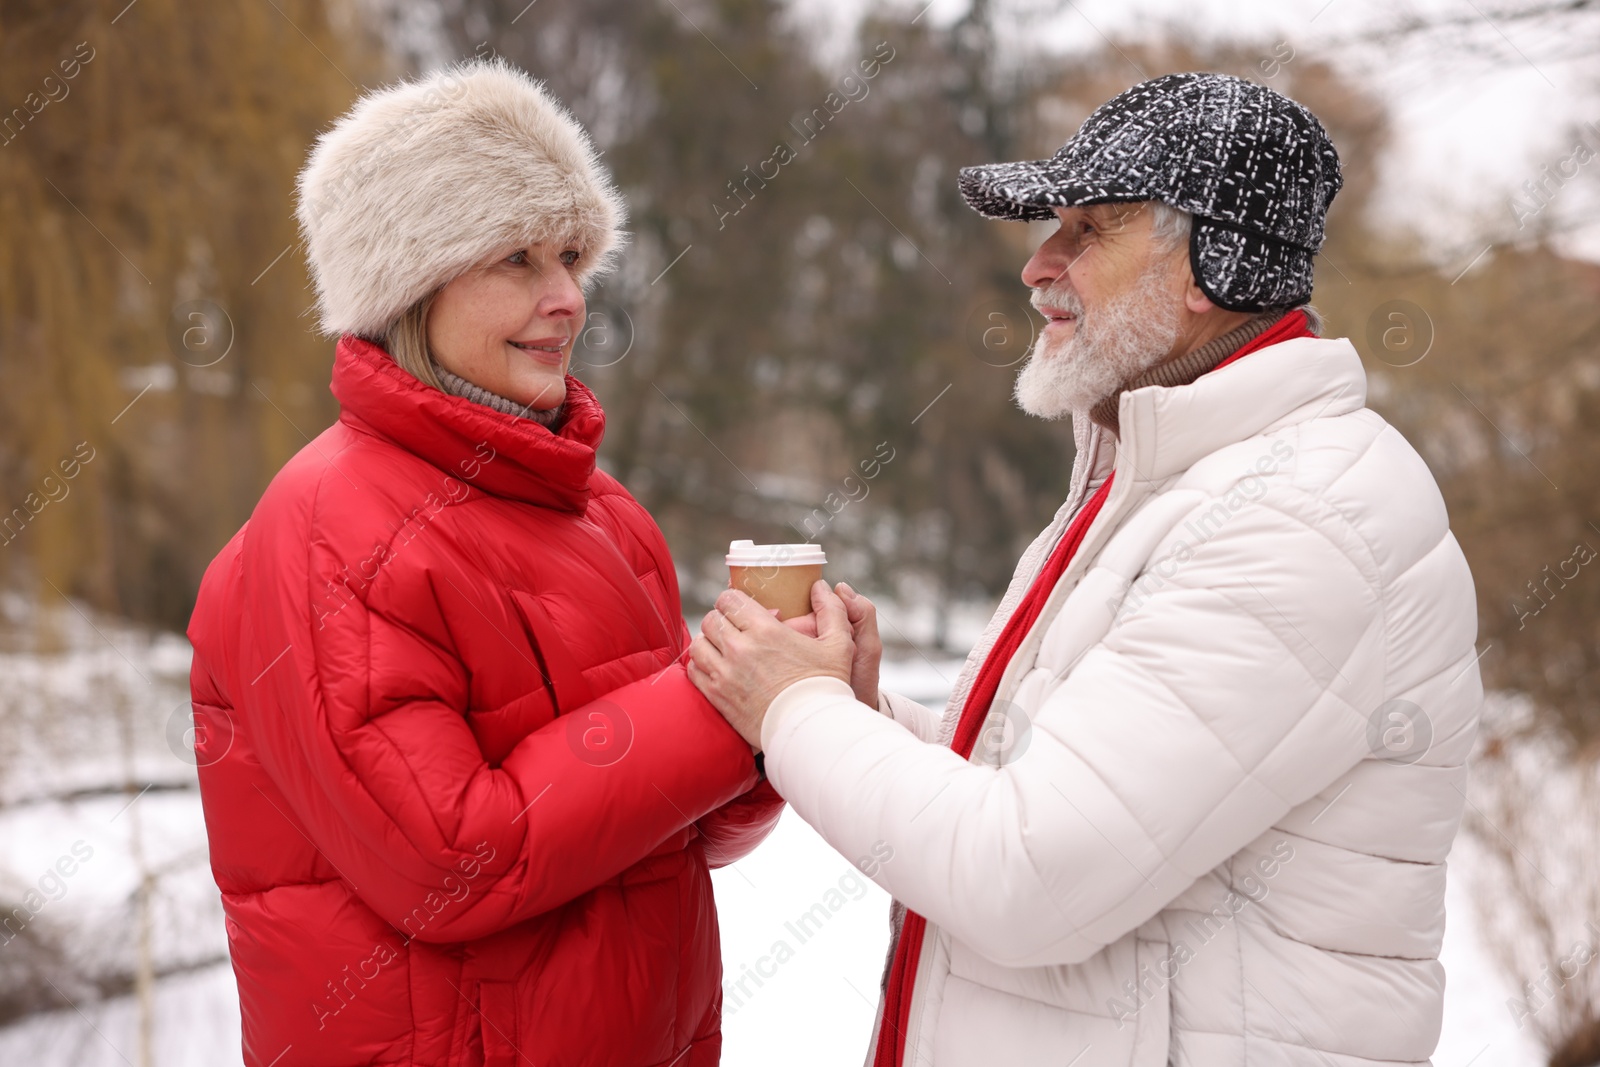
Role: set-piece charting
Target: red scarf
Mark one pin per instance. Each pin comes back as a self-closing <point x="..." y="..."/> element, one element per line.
<point x="908" y="950"/>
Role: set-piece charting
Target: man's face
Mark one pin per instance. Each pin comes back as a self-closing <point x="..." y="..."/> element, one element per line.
<point x="1098" y="253"/>
<point x="1112" y="299"/>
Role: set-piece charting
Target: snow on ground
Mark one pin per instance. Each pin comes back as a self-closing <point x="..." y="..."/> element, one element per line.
<point x="804" y="935"/>
<point x="196" y="1025"/>
<point x="1479" y="1028"/>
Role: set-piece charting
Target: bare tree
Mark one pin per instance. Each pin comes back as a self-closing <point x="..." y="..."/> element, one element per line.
<point x="1537" y="881"/>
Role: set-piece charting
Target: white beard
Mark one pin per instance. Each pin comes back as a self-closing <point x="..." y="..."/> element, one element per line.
<point x="1115" y="344"/>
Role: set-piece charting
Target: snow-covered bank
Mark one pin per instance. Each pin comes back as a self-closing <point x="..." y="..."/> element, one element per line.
<point x="803" y="935"/>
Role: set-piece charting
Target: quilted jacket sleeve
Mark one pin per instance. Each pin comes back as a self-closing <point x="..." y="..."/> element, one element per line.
<point x="1237" y="690"/>
<point x="920" y="719"/>
<point x="735" y="830"/>
<point x="385" y="778"/>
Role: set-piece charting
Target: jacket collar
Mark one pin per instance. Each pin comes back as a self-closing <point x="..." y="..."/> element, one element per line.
<point x="503" y="454"/>
<point x="1166" y="430"/>
<point x="1187" y="367"/>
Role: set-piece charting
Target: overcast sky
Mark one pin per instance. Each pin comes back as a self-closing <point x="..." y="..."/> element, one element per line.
<point x="1477" y="112"/>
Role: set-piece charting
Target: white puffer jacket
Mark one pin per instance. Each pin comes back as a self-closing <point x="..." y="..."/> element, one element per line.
<point x="1207" y="822"/>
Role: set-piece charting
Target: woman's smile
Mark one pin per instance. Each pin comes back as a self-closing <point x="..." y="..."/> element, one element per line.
<point x="503" y="304"/>
<point x="551" y="351"/>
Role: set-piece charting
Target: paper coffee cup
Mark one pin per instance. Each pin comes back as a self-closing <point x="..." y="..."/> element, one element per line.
<point x="776" y="576"/>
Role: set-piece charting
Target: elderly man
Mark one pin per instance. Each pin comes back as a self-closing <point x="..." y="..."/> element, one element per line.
<point x="1191" y="798"/>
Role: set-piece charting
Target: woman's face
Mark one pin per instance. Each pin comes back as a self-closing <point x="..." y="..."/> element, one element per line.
<point x="508" y="325"/>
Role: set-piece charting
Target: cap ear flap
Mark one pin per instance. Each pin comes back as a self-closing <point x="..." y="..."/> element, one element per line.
<point x="1199" y="273"/>
<point x="1202" y="277"/>
<point x="1276" y="262"/>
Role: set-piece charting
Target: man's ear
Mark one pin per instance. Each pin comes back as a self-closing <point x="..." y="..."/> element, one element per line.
<point x="1194" y="298"/>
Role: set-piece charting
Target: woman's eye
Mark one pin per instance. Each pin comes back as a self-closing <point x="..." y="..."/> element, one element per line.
<point x="518" y="257"/>
<point x="570" y="257"/>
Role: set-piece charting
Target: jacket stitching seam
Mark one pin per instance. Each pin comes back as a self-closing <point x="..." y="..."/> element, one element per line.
<point x="366" y="702"/>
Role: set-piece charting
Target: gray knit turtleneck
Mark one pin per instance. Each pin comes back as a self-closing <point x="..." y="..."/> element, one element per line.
<point x="1187" y="368"/>
<point x="456" y="385"/>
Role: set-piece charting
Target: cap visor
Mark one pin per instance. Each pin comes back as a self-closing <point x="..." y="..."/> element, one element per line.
<point x="1032" y="190"/>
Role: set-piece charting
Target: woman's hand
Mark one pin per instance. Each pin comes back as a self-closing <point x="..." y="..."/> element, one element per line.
<point x="744" y="657"/>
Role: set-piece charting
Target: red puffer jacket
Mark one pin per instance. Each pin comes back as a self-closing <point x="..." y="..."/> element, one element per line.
<point x="460" y="798"/>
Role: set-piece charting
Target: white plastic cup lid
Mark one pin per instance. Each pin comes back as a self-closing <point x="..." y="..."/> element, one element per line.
<point x="750" y="554"/>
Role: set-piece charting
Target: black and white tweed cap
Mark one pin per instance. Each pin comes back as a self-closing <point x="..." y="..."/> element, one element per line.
<point x="1256" y="169"/>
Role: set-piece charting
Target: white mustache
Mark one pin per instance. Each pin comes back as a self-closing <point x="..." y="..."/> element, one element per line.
<point x="1057" y="297"/>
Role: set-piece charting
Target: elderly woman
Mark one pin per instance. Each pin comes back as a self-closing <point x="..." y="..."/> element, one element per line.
<point x="460" y="795"/>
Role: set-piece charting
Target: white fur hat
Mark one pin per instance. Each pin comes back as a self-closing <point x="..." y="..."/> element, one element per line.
<point x="424" y="179"/>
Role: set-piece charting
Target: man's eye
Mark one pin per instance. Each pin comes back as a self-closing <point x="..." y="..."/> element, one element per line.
<point x="519" y="257"/>
<point x="570" y="257"/>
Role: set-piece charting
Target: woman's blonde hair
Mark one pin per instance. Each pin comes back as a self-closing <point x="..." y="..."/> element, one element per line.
<point x="406" y="341"/>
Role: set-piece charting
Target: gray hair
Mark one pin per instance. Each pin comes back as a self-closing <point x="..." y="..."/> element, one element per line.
<point x="1169" y="231"/>
<point x="1169" y="226"/>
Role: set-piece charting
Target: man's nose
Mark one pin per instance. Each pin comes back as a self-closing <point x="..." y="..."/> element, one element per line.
<point x="1048" y="262"/>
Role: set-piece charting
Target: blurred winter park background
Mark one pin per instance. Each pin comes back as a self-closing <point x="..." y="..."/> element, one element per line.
<point x="804" y="292"/>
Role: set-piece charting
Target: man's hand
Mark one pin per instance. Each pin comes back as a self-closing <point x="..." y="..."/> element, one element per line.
<point x="863" y="615"/>
<point x="744" y="657"/>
